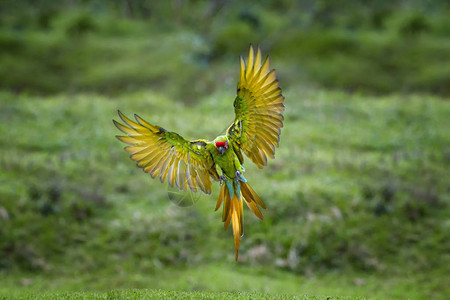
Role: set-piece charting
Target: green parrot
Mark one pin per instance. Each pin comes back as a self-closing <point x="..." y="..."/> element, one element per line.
<point x="191" y="164"/>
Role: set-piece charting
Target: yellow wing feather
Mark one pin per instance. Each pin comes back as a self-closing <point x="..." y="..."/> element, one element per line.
<point x="184" y="164"/>
<point x="258" y="110"/>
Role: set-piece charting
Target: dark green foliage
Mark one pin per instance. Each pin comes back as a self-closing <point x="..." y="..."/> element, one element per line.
<point x="80" y="25"/>
<point x="369" y="62"/>
<point x="402" y="48"/>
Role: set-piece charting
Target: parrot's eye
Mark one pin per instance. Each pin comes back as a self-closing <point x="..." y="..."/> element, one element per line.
<point x="222" y="144"/>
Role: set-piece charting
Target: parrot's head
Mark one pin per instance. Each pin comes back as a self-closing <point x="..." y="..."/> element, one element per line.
<point x="221" y="145"/>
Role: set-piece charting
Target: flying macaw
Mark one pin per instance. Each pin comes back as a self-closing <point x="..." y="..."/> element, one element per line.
<point x="191" y="164"/>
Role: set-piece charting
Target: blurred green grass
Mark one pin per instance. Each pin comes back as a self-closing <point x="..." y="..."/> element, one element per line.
<point x="221" y="278"/>
<point x="161" y="294"/>
<point x="388" y="48"/>
<point x="357" y="183"/>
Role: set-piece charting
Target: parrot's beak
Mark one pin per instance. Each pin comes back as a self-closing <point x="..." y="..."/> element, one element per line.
<point x="222" y="150"/>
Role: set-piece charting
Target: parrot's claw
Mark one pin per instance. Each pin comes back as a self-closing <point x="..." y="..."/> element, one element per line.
<point x="238" y="176"/>
<point x="222" y="179"/>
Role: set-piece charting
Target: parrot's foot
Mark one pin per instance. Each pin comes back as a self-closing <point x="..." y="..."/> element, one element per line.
<point x="222" y="179"/>
<point x="238" y="176"/>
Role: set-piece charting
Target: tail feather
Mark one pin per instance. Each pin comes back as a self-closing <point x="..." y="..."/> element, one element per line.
<point x="221" y="197"/>
<point x="226" y="205"/>
<point x="251" y="200"/>
<point x="227" y="222"/>
<point x="233" y="207"/>
<point x="236" y="218"/>
<point x="254" y="208"/>
<point x="247" y="189"/>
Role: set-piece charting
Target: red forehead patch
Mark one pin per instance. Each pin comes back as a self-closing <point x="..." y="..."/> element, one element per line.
<point x="222" y="144"/>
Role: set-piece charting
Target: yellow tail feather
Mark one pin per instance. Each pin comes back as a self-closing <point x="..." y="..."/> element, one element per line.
<point x="221" y="197"/>
<point x="250" y="194"/>
<point x="233" y="211"/>
<point x="236" y="218"/>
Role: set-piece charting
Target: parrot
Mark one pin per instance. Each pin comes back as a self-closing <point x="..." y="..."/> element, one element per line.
<point x="185" y="164"/>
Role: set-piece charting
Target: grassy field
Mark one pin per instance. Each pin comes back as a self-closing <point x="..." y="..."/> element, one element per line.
<point x="348" y="171"/>
<point x="218" y="280"/>
<point x="161" y="294"/>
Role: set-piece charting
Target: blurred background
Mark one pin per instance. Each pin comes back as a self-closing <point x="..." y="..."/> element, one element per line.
<point x="358" y="194"/>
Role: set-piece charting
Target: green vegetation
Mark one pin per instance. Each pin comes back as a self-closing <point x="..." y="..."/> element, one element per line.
<point x="161" y="294"/>
<point x="378" y="48"/>
<point x="358" y="195"/>
<point x="357" y="184"/>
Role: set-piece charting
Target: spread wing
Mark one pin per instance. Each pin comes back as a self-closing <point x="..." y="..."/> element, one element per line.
<point x="258" y="111"/>
<point x="166" y="154"/>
